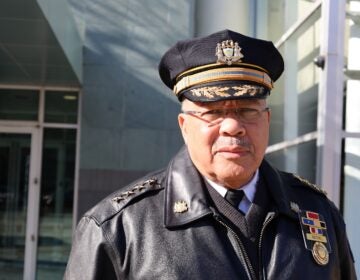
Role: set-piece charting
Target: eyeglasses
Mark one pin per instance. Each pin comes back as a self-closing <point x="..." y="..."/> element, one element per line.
<point x="216" y="116"/>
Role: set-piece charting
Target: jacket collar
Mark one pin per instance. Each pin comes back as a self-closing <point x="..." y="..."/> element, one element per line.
<point x="184" y="184"/>
<point x="186" y="199"/>
<point x="279" y="187"/>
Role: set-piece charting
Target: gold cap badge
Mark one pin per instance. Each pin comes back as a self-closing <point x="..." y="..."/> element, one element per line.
<point x="228" y="52"/>
<point x="320" y="253"/>
<point x="180" y="206"/>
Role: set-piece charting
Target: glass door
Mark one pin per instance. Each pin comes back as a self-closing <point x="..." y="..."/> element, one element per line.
<point x="18" y="211"/>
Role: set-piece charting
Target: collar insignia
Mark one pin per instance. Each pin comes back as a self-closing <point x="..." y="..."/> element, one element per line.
<point x="294" y="207"/>
<point x="180" y="206"/>
<point x="228" y="52"/>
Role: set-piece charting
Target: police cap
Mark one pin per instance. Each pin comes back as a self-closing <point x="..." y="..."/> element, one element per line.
<point x="224" y="65"/>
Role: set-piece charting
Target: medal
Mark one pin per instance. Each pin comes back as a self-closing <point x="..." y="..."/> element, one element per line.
<point x="315" y="235"/>
<point x="320" y="253"/>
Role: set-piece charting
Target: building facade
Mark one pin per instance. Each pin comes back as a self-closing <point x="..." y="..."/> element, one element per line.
<point x="83" y="111"/>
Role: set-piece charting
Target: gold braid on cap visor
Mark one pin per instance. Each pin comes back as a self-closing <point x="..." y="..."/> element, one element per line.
<point x="224" y="74"/>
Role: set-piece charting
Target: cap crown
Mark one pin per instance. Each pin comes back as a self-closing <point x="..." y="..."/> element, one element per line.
<point x="188" y="54"/>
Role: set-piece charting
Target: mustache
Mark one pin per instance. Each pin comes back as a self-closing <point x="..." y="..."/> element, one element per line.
<point x="232" y="141"/>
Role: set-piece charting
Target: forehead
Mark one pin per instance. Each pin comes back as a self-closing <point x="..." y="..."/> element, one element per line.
<point x="226" y="103"/>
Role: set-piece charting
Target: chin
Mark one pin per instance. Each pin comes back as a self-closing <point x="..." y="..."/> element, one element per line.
<point x="239" y="166"/>
<point x="235" y="174"/>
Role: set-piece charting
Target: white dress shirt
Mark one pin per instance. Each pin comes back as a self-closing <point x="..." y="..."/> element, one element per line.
<point x="249" y="191"/>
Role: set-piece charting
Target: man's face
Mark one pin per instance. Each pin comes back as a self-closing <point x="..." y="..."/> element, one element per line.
<point x="230" y="151"/>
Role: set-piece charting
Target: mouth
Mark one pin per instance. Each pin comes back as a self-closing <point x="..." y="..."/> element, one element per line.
<point x="232" y="152"/>
<point x="232" y="148"/>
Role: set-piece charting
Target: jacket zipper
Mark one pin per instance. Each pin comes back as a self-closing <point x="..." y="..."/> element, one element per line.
<point x="244" y="259"/>
<point x="268" y="219"/>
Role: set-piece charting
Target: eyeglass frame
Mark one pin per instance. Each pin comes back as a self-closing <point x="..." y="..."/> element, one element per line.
<point x="224" y="113"/>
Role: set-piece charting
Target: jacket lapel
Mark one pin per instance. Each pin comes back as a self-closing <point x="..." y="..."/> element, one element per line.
<point x="185" y="198"/>
<point x="278" y="188"/>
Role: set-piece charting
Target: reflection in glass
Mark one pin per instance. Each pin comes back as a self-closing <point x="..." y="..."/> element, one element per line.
<point x="294" y="99"/>
<point x="14" y="175"/>
<point x="57" y="188"/>
<point x="280" y="15"/>
<point x="18" y="104"/>
<point x="61" y="106"/>
<point x="351" y="194"/>
<point x="352" y="115"/>
<point x="300" y="159"/>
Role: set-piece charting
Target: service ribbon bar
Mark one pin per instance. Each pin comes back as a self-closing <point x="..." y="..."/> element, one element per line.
<point x="313" y="228"/>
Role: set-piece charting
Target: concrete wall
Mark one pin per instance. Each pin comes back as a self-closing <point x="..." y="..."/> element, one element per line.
<point x="129" y="118"/>
<point x="214" y="15"/>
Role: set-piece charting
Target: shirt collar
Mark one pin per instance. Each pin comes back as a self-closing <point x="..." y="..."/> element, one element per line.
<point x="249" y="189"/>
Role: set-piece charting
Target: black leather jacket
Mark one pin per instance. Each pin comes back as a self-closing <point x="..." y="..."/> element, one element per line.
<point x="137" y="233"/>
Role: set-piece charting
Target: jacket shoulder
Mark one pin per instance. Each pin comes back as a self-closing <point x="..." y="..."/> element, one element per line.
<point x="117" y="201"/>
<point x="298" y="181"/>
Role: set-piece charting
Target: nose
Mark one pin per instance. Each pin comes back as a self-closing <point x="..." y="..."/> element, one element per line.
<point x="232" y="127"/>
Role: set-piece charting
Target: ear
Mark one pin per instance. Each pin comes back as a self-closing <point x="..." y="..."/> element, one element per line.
<point x="269" y="116"/>
<point x="182" y="125"/>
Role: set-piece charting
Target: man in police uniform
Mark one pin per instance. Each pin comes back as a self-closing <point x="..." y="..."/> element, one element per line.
<point x="219" y="210"/>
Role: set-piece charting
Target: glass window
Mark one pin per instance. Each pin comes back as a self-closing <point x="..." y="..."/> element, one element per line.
<point x="275" y="17"/>
<point x="56" y="208"/>
<point x="295" y="96"/>
<point x="352" y="64"/>
<point x="14" y="178"/>
<point x="352" y="68"/>
<point x="61" y="106"/>
<point x="300" y="159"/>
<point x="19" y="104"/>
<point x="352" y="193"/>
<point x="276" y="103"/>
<point x="352" y="115"/>
<point x="351" y="153"/>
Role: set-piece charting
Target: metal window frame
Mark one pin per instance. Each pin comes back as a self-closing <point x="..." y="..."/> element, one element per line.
<point x="298" y="24"/>
<point x="33" y="198"/>
<point x="330" y="105"/>
<point x="36" y="130"/>
<point x="291" y="143"/>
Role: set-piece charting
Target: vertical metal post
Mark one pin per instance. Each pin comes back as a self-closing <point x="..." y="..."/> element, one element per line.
<point x="33" y="210"/>
<point x="291" y="96"/>
<point x="75" y="216"/>
<point x="331" y="98"/>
